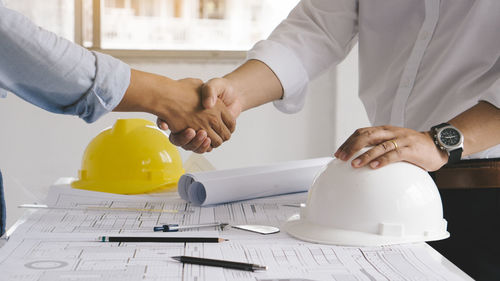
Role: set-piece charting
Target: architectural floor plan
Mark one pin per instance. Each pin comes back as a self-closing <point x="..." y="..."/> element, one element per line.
<point x="62" y="244"/>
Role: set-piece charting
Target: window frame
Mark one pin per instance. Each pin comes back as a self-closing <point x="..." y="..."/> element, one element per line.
<point x="136" y="53"/>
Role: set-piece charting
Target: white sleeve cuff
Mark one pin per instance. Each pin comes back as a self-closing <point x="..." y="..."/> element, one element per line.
<point x="289" y="70"/>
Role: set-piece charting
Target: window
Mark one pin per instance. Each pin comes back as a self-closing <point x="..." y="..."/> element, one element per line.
<point x="192" y="25"/>
<point x="187" y="24"/>
<point x="54" y="15"/>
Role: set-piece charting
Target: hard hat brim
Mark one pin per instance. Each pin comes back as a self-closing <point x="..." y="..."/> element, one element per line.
<point x="311" y="232"/>
<point x="123" y="187"/>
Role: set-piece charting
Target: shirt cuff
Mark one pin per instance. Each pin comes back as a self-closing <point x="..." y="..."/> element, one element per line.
<point x="111" y="81"/>
<point x="289" y="70"/>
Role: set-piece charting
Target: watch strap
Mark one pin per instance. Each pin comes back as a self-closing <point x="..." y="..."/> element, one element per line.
<point x="434" y="128"/>
<point x="455" y="155"/>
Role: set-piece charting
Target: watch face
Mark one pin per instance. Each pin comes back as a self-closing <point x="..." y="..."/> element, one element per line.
<point x="449" y="137"/>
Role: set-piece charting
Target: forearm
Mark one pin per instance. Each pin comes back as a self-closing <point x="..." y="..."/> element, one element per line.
<point x="255" y="83"/>
<point x="142" y="93"/>
<point x="178" y="103"/>
<point x="480" y="126"/>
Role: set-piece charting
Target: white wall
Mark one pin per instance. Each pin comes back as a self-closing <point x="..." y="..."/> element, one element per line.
<point x="37" y="147"/>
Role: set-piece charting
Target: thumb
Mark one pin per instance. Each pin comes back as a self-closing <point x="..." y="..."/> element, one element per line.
<point x="212" y="90"/>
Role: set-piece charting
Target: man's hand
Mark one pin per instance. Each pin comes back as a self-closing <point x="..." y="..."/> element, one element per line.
<point x="392" y="144"/>
<point x="222" y="88"/>
<point x="479" y="125"/>
<point x="182" y="109"/>
<point x="179" y="104"/>
<point x="250" y="85"/>
<point x="214" y="91"/>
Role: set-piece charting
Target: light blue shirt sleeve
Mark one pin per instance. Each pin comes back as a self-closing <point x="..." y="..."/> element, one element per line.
<point x="56" y="74"/>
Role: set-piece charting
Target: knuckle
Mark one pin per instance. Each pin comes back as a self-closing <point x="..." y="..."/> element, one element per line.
<point x="194" y="144"/>
<point x="382" y="161"/>
<point x="199" y="150"/>
<point x="190" y="145"/>
<point x="369" y="154"/>
<point x="232" y="126"/>
<point x="173" y="139"/>
<point x="358" y="132"/>
<point x="385" y="146"/>
<point x="216" y="143"/>
<point x="347" y="149"/>
<point x="200" y="137"/>
<point x="399" y="153"/>
<point x="224" y="135"/>
<point x="213" y="122"/>
<point x="366" y="132"/>
<point x="188" y="148"/>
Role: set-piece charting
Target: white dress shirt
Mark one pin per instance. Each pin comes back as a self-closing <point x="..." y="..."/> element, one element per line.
<point x="421" y="62"/>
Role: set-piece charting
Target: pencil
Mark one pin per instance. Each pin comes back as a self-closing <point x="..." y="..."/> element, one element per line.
<point x="161" y="239"/>
<point x="220" y="263"/>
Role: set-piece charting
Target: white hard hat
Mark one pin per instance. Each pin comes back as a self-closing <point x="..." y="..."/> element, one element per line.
<point x="398" y="203"/>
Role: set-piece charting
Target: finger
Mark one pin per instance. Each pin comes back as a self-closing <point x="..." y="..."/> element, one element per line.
<point x="161" y="124"/>
<point x="364" y="137"/>
<point x="204" y="147"/>
<point x="216" y="140"/>
<point x="388" y="158"/>
<point x="340" y="153"/>
<point x="197" y="141"/>
<point x="377" y="151"/>
<point x="224" y="133"/>
<point x="210" y="92"/>
<point x="182" y="138"/>
<point x="228" y="120"/>
<point x="220" y="129"/>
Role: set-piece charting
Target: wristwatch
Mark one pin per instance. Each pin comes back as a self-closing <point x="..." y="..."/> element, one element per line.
<point x="449" y="139"/>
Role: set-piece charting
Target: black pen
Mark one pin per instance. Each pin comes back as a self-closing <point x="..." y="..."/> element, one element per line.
<point x="161" y="239"/>
<point x="220" y="263"/>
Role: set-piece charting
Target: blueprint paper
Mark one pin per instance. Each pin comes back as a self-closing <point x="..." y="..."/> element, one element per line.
<point x="60" y="245"/>
<point x="264" y="211"/>
<point x="67" y="258"/>
<point x="215" y="187"/>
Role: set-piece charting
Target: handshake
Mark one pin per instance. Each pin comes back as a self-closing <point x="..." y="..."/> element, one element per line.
<point x="201" y="116"/>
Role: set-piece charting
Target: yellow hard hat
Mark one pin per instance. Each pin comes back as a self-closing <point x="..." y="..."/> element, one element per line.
<point x="133" y="156"/>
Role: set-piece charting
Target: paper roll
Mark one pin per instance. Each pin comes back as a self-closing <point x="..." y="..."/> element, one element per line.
<point x="215" y="187"/>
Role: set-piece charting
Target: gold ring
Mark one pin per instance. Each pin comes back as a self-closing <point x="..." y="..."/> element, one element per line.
<point x="395" y="144"/>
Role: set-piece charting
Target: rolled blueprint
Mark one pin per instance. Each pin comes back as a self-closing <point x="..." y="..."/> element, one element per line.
<point x="215" y="187"/>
